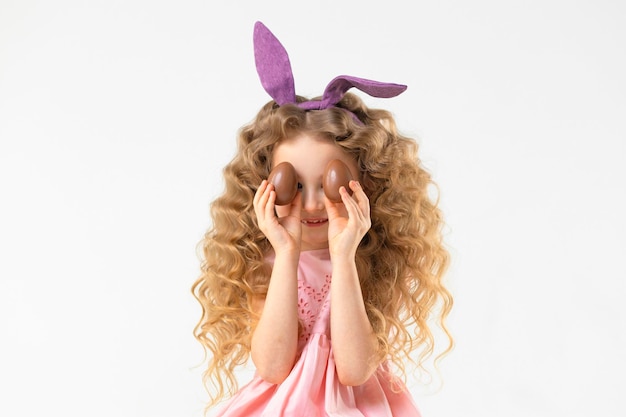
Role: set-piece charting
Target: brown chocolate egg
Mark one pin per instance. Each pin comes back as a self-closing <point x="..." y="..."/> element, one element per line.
<point x="284" y="178"/>
<point x="336" y="174"/>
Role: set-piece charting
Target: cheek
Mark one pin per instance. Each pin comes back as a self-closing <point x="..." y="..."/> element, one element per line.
<point x="282" y="211"/>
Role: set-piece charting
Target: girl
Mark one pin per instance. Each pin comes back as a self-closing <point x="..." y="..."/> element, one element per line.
<point x="328" y="296"/>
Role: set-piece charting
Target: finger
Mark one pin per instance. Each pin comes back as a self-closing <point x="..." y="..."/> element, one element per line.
<point x="296" y="206"/>
<point x="363" y="202"/>
<point x="259" y="192"/>
<point x="266" y="194"/>
<point x="360" y="197"/>
<point x="331" y="208"/>
<point x="262" y="203"/>
<point x="354" y="211"/>
<point x="257" y="201"/>
<point x="269" y="205"/>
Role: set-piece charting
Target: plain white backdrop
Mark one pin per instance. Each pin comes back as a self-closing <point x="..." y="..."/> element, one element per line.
<point x="116" y="118"/>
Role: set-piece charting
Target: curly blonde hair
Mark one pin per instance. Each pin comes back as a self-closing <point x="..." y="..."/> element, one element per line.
<point x="400" y="261"/>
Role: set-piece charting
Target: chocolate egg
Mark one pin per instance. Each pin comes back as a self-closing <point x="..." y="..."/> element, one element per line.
<point x="284" y="178"/>
<point x="336" y="174"/>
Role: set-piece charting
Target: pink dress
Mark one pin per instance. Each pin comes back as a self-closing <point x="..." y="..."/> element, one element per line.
<point x="312" y="389"/>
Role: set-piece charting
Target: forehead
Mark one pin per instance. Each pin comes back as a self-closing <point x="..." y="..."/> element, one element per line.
<point x="306" y="150"/>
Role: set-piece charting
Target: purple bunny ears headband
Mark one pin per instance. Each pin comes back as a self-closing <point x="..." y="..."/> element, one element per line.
<point x="274" y="69"/>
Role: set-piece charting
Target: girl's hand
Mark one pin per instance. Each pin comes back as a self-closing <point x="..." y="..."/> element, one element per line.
<point x="345" y="232"/>
<point x="283" y="233"/>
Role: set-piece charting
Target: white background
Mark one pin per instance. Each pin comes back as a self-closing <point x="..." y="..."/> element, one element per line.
<point x="116" y="118"/>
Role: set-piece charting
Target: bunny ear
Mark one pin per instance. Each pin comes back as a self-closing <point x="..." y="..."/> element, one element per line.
<point x="273" y="66"/>
<point x="337" y="88"/>
<point x="274" y="69"/>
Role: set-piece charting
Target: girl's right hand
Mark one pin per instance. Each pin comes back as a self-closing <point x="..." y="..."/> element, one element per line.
<point x="283" y="233"/>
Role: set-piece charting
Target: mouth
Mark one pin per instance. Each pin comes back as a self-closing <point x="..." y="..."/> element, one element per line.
<point x="314" y="222"/>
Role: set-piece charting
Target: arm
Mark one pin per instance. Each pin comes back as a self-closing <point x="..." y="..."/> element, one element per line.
<point x="275" y="339"/>
<point x="353" y="339"/>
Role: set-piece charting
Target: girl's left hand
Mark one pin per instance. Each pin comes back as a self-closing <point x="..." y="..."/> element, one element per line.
<point x="345" y="232"/>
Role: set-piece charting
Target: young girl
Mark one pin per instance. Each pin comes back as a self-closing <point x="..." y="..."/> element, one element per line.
<point x="329" y="296"/>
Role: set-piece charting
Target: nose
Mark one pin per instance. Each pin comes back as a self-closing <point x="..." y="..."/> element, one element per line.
<point x="312" y="199"/>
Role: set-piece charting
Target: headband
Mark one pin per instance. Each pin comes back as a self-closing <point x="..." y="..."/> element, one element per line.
<point x="274" y="69"/>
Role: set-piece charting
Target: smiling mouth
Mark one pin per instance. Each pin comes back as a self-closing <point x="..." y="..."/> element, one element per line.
<point x="313" y="222"/>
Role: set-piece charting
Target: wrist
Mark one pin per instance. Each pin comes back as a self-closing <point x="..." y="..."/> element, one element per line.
<point x="343" y="259"/>
<point x="338" y="252"/>
<point x="287" y="253"/>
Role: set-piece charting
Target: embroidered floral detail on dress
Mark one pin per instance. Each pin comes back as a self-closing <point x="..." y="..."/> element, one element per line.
<point x="310" y="303"/>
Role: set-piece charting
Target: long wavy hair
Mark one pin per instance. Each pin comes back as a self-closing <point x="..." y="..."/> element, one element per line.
<point x="400" y="261"/>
